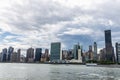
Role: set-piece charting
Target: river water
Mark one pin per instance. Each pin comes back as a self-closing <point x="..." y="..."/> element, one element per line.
<point x="14" y="71"/>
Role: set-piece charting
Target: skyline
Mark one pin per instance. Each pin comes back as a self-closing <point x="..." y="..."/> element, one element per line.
<point x="37" y="23"/>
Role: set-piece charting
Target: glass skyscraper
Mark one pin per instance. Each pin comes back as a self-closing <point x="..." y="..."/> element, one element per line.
<point x="38" y="54"/>
<point x="75" y="51"/>
<point x="4" y="55"/>
<point x="10" y="51"/>
<point x="108" y="46"/>
<point x="55" y="51"/>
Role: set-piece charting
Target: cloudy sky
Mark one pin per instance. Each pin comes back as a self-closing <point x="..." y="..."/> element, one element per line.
<point x="37" y="23"/>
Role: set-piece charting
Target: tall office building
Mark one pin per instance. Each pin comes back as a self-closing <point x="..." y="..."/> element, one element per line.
<point x="108" y="46"/>
<point x="18" y="55"/>
<point x="90" y="53"/>
<point x="55" y="52"/>
<point x="80" y="54"/>
<point x="46" y="54"/>
<point x="0" y="56"/>
<point x="90" y="48"/>
<point x="118" y="52"/>
<point x="38" y="54"/>
<point x="95" y="51"/>
<point x="30" y="55"/>
<point x="64" y="54"/>
<point x="10" y="51"/>
<point x="70" y="54"/>
<point x="4" y="55"/>
<point x="102" y="54"/>
<point x="75" y="51"/>
<point x="14" y="57"/>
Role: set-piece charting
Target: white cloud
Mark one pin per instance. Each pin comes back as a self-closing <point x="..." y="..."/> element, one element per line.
<point x="80" y="31"/>
<point x="40" y="22"/>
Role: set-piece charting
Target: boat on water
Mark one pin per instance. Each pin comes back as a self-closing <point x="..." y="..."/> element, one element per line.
<point x="91" y="64"/>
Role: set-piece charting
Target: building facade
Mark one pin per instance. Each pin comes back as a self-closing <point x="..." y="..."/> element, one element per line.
<point x="75" y="51"/>
<point x="118" y="52"/>
<point x="18" y="55"/>
<point x="30" y="55"/>
<point x="102" y="55"/>
<point x="0" y="56"/>
<point x="80" y="55"/>
<point x="95" y="51"/>
<point x="70" y="54"/>
<point x="10" y="51"/>
<point x="108" y="46"/>
<point x="14" y="57"/>
<point x="90" y="52"/>
<point x="38" y="54"/>
<point x="46" y="54"/>
<point x="4" y="55"/>
<point x="64" y="54"/>
<point x="55" y="51"/>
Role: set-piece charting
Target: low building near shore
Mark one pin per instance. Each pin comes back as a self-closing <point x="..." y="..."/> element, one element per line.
<point x="75" y="61"/>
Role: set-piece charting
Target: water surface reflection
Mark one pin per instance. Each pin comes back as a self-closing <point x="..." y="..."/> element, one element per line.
<point x="14" y="71"/>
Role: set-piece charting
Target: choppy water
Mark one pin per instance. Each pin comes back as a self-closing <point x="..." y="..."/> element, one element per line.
<point x="14" y="71"/>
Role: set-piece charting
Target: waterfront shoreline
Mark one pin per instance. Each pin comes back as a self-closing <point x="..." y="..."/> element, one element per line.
<point x="99" y="65"/>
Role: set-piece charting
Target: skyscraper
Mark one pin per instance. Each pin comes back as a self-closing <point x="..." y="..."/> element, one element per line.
<point x="14" y="57"/>
<point x="90" y="52"/>
<point x="18" y="55"/>
<point x="70" y="54"/>
<point x="30" y="55"/>
<point x="118" y="52"/>
<point x="108" y="46"/>
<point x="75" y="51"/>
<point x="55" y="52"/>
<point x="80" y="54"/>
<point x="38" y="54"/>
<point x="102" y="54"/>
<point x="64" y="54"/>
<point x="0" y="56"/>
<point x="90" y="48"/>
<point x="4" y="55"/>
<point x="95" y="51"/>
<point x="10" y="51"/>
<point x="46" y="54"/>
